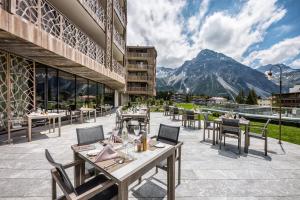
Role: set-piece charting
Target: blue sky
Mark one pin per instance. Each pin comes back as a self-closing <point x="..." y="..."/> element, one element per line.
<point x="254" y="32"/>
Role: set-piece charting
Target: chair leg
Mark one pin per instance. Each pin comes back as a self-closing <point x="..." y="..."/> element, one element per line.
<point x="204" y="134"/>
<point x="140" y="180"/>
<point x="224" y="139"/>
<point x="179" y="165"/>
<point x="156" y="170"/>
<point x="53" y="188"/>
<point x="220" y="141"/>
<point x="240" y="143"/>
<point x="266" y="146"/>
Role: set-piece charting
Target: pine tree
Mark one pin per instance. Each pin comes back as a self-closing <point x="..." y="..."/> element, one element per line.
<point x="252" y="97"/>
<point x="240" y="98"/>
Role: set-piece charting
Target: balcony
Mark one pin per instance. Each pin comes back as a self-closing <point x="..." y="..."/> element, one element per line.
<point x="95" y="9"/>
<point x="118" y="68"/>
<point x="120" y="12"/>
<point x="138" y="67"/>
<point x="119" y="41"/>
<point x="139" y="78"/>
<point x="138" y="55"/>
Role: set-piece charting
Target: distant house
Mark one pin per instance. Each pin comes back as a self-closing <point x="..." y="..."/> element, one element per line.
<point x="265" y="102"/>
<point x="178" y="97"/>
<point x="217" y="100"/>
<point x="294" y="89"/>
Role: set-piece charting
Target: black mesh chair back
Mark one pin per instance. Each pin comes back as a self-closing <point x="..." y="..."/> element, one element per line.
<point x="168" y="134"/>
<point x="231" y="126"/>
<point x="166" y="107"/>
<point x="175" y="110"/>
<point x="72" y="107"/>
<point x="61" y="171"/>
<point x="190" y="115"/>
<point x="89" y="135"/>
<point x="206" y="121"/>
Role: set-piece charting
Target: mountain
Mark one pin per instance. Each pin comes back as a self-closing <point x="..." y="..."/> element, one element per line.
<point x="290" y="76"/>
<point x="216" y="74"/>
<point x="162" y="72"/>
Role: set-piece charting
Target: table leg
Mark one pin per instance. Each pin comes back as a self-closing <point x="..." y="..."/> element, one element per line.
<point x="89" y="115"/>
<point x="78" y="175"/>
<point x="122" y="191"/>
<point x="81" y="117"/>
<point x="171" y="177"/>
<point x="59" y="126"/>
<point x="214" y="134"/>
<point x="246" y="139"/>
<point x="29" y="129"/>
<point x="53" y="125"/>
<point x="95" y="115"/>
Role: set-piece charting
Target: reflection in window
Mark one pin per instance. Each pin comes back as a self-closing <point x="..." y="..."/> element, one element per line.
<point x="52" y="89"/>
<point x="66" y="83"/>
<point x="81" y="92"/>
<point x="40" y="79"/>
<point x="92" y="93"/>
<point x="108" y="96"/>
<point x="100" y="96"/>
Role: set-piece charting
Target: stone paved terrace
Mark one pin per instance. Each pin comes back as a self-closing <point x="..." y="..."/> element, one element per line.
<point x="207" y="172"/>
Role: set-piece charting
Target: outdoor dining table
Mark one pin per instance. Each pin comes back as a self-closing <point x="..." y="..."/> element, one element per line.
<point x="88" y="110"/>
<point x="50" y="116"/>
<point x="242" y="122"/>
<point x="128" y="172"/>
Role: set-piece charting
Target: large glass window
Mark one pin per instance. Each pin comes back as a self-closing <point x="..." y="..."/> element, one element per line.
<point x="67" y="85"/>
<point x="52" y="89"/>
<point x="40" y="80"/>
<point x="100" y="96"/>
<point x="93" y="93"/>
<point x="108" y="96"/>
<point x="81" y="92"/>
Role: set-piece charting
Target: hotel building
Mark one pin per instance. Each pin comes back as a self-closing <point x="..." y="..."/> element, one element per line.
<point x="141" y="71"/>
<point x="58" y="53"/>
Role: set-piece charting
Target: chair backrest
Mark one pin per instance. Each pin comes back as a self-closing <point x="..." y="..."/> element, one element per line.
<point x="168" y="134"/>
<point x="206" y="121"/>
<point x="231" y="122"/>
<point x="62" y="173"/>
<point x="175" y="110"/>
<point x="72" y="107"/>
<point x="190" y="114"/>
<point x="89" y="135"/>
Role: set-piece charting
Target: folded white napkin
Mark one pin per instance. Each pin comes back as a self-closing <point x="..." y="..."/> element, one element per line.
<point x="107" y="153"/>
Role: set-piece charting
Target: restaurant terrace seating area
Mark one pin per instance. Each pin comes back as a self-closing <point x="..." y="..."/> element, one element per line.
<point x="106" y="157"/>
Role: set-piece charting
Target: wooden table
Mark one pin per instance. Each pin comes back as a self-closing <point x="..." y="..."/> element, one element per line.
<point x="49" y="116"/>
<point x="243" y="122"/>
<point x="129" y="173"/>
<point x="88" y="110"/>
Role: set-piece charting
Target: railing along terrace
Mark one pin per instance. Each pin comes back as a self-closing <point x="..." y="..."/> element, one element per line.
<point x="44" y="15"/>
<point x="118" y="68"/>
<point x="120" y="11"/>
<point x="119" y="39"/>
<point x="97" y="9"/>
<point x="139" y="89"/>
<point x="136" y="54"/>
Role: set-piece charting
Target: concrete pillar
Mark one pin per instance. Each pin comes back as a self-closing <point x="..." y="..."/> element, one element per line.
<point x="116" y="98"/>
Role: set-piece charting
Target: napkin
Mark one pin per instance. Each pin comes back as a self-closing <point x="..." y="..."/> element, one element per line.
<point x="107" y="153"/>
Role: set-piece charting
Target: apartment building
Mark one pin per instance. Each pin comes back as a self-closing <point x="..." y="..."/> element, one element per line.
<point x="57" y="53"/>
<point x="141" y="71"/>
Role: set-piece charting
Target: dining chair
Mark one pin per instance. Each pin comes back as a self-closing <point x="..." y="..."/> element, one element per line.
<point x="169" y="135"/>
<point x="118" y="118"/>
<point x="86" y="136"/>
<point x="191" y="118"/>
<point x="174" y="112"/>
<point x="230" y="127"/>
<point x="263" y="135"/>
<point x="98" y="187"/>
<point x="166" y="110"/>
<point x="74" y="114"/>
<point x="208" y="125"/>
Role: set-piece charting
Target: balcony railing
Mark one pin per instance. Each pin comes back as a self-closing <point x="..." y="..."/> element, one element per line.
<point x="140" y="78"/>
<point x="139" y="66"/>
<point x="137" y="89"/>
<point x="44" y="15"/>
<point x="97" y="9"/>
<point x="119" y="40"/>
<point x="141" y="55"/>
<point x="118" y="68"/>
<point x="120" y="11"/>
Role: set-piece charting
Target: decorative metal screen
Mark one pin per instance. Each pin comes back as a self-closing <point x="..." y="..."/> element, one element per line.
<point x="109" y="24"/>
<point x="28" y="10"/>
<point x="3" y="90"/>
<point x="22" y="87"/>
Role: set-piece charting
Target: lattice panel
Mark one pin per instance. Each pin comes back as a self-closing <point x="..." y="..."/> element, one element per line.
<point x="22" y="86"/>
<point x="3" y="89"/>
<point x="27" y="9"/>
<point x="97" y="8"/>
<point x="108" y="33"/>
<point x="51" y="20"/>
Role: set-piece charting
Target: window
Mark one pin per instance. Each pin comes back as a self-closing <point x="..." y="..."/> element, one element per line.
<point x="40" y="79"/>
<point x="67" y="86"/>
<point x="81" y="92"/>
<point x="52" y="89"/>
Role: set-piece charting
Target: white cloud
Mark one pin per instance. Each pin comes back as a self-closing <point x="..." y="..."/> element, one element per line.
<point x="282" y="52"/>
<point x="160" y="23"/>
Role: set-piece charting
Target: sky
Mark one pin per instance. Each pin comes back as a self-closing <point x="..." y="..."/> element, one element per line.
<point x="254" y="32"/>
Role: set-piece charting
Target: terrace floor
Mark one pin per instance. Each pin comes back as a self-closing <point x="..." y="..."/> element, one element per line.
<point x="207" y="172"/>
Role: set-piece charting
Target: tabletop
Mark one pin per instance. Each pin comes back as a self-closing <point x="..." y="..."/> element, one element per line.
<point x="87" y="109"/>
<point x="241" y="121"/>
<point x="140" y="160"/>
<point x="39" y="115"/>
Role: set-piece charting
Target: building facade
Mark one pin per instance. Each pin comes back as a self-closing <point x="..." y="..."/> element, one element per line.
<point x="56" y="53"/>
<point x="141" y="71"/>
<point x="265" y="102"/>
<point x="287" y="100"/>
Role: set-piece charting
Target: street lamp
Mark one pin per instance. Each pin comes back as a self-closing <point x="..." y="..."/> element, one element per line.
<point x="280" y="92"/>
